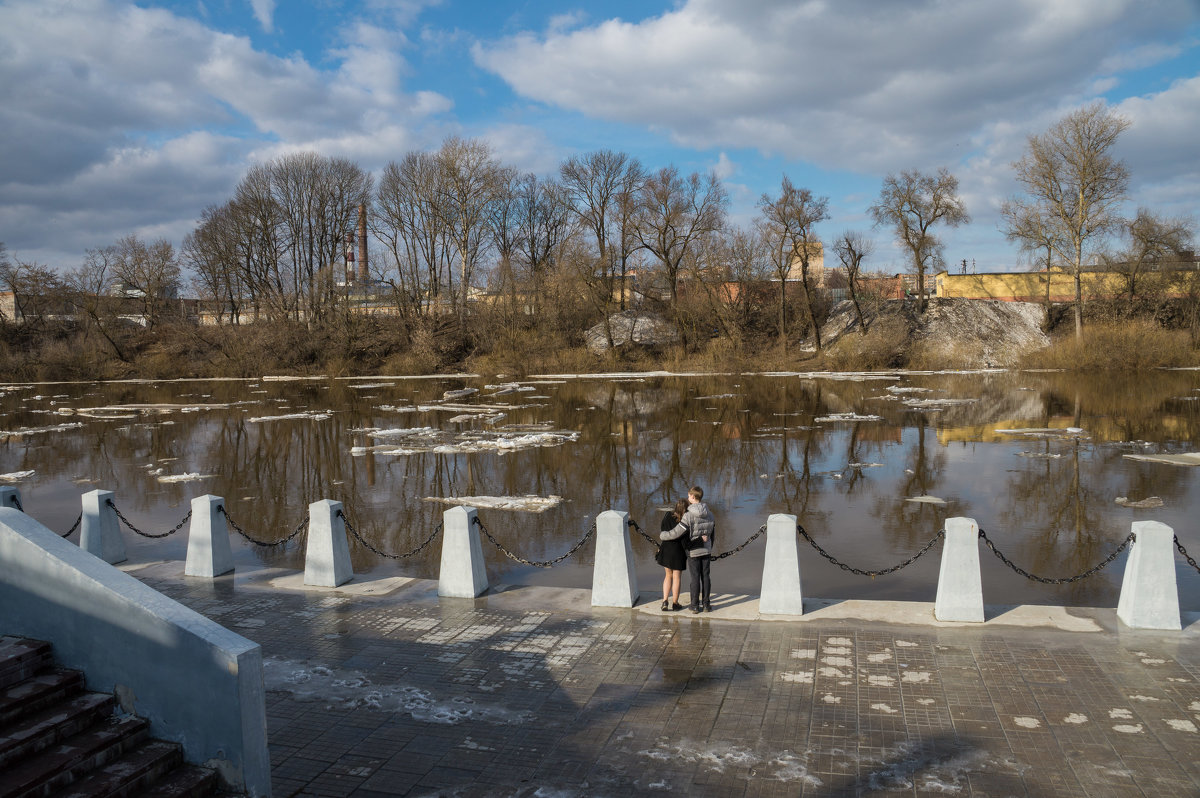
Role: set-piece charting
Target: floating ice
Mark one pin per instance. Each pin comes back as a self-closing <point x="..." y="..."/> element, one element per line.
<point x="447" y="442"/>
<point x="1182" y="725"/>
<point x="362" y="386"/>
<point x="925" y="500"/>
<point x="834" y="418"/>
<point x="461" y="393"/>
<point x="528" y="504"/>
<point x="1185" y="459"/>
<point x="1075" y="718"/>
<point x="16" y="476"/>
<point x="897" y="389"/>
<point x="1148" y="503"/>
<point x="314" y="415"/>
<point x="1028" y="723"/>
<point x="1040" y="455"/>
<point x="1120" y="714"/>
<point x="1128" y="728"/>
<point x="186" y="477"/>
<point x="17" y="433"/>
<point x="860" y="466"/>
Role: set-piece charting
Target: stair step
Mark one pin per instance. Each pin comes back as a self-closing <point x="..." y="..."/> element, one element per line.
<point x="38" y="692"/>
<point x="188" y="781"/>
<point x="43" y="729"/>
<point x="60" y="765"/>
<point x="130" y="775"/>
<point x="21" y="658"/>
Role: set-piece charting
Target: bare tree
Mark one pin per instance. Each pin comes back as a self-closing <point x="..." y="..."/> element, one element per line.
<point x="911" y="203"/>
<point x="213" y="253"/>
<point x="410" y="222"/>
<point x="746" y="258"/>
<point x="88" y="286"/>
<point x="1152" y="241"/>
<point x="1074" y="186"/>
<point x="469" y="181"/>
<point x="148" y="273"/>
<point x="600" y="186"/>
<point x="673" y="213"/>
<point x="852" y="249"/>
<point x="37" y="291"/>
<point x="1027" y="224"/>
<point x="790" y="221"/>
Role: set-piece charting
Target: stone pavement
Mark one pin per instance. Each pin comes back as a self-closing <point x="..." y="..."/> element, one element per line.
<point x="379" y="688"/>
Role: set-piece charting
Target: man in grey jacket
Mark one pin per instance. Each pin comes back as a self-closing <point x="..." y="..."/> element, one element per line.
<point x="700" y="527"/>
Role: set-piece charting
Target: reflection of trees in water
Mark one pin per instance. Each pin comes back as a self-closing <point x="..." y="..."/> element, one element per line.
<point x="641" y="445"/>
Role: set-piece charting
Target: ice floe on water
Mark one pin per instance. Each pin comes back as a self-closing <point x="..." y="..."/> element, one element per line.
<point x="834" y="418"/>
<point x="362" y="386"/>
<point x="352" y="690"/>
<point x="1045" y="432"/>
<point x="16" y="476"/>
<point x="1148" y="503"/>
<point x="1184" y="459"/>
<point x="528" y="504"/>
<point x="22" y="431"/>
<point x="1040" y="455"/>
<point x="461" y="393"/>
<point x="311" y="415"/>
<point x="185" y="477"/>
<point x="430" y="439"/>
<point x="925" y="500"/>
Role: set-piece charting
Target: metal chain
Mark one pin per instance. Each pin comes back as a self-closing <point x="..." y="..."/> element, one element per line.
<point x="302" y="526"/>
<point x="638" y="529"/>
<point x="363" y="541"/>
<point x="535" y="564"/>
<point x="1186" y="556"/>
<point x="762" y="530"/>
<point x="125" y="521"/>
<point x="17" y="502"/>
<point x="74" y="526"/>
<point x="1065" y="580"/>
<point x="861" y="572"/>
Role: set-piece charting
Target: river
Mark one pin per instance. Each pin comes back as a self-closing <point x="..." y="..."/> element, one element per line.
<point x="1038" y="459"/>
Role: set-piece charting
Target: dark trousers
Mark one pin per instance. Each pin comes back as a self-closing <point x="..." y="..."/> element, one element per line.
<point x="701" y="583"/>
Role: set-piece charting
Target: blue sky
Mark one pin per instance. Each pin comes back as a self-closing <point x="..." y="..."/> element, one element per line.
<point x="120" y="117"/>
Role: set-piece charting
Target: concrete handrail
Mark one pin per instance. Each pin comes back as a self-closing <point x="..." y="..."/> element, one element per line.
<point x="197" y="683"/>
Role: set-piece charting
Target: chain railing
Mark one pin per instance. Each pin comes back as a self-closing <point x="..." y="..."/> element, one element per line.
<point x="535" y="563"/>
<point x="354" y="533"/>
<point x="649" y="538"/>
<point x="145" y="534"/>
<point x="1061" y="580"/>
<point x="864" y="572"/>
<point x="74" y="526"/>
<point x="303" y="525"/>
<point x="762" y="530"/>
<point x="1190" y="560"/>
<point x="16" y="502"/>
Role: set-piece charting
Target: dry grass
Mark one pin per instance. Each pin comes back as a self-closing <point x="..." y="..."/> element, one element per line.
<point x="1128" y="346"/>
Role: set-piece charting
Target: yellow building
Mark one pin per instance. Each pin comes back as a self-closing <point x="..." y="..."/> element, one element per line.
<point x="1057" y="286"/>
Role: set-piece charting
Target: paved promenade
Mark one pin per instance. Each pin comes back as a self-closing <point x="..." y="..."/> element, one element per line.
<point x="379" y="688"/>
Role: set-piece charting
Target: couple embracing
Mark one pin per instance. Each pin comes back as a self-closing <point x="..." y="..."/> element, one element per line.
<point x="687" y="535"/>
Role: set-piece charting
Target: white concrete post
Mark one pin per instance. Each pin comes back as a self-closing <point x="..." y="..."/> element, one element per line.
<point x="327" y="557"/>
<point x="614" y="578"/>
<point x="10" y="497"/>
<point x="960" y="590"/>
<point x="1149" y="596"/>
<point x="99" y="532"/>
<point x="462" y="573"/>
<point x="781" y="593"/>
<point x="208" y="551"/>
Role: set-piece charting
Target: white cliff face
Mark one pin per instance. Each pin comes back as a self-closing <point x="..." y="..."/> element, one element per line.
<point x="631" y="328"/>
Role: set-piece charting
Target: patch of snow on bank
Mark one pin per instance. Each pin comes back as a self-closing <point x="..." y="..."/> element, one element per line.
<point x="528" y="504"/>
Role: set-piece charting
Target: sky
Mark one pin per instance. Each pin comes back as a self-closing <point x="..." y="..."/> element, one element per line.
<point x="121" y="118"/>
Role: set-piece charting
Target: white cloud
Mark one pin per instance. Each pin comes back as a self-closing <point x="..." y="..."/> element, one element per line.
<point x="264" y="12"/>
<point x="856" y="84"/>
<point x="102" y="103"/>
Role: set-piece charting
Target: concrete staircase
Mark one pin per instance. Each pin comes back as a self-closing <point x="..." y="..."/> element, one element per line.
<point x="57" y="739"/>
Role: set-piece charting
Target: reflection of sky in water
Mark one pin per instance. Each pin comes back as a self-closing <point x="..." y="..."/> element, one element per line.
<point x="756" y="444"/>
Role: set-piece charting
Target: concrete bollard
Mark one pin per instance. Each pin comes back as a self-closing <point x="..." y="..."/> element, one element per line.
<point x="781" y="592"/>
<point x="1149" y="595"/>
<point x="99" y="532"/>
<point x="462" y="573"/>
<point x="960" y="589"/>
<point x="327" y="557"/>
<point x="614" y="578"/>
<point x="10" y="497"/>
<point x="208" y="551"/>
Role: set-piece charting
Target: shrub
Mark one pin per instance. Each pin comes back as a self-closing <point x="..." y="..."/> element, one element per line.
<point x="1130" y="346"/>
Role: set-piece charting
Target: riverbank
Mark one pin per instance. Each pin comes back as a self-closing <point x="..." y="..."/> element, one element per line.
<point x="951" y="334"/>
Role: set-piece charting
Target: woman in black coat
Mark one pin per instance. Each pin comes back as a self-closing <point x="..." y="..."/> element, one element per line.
<point x="673" y="557"/>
